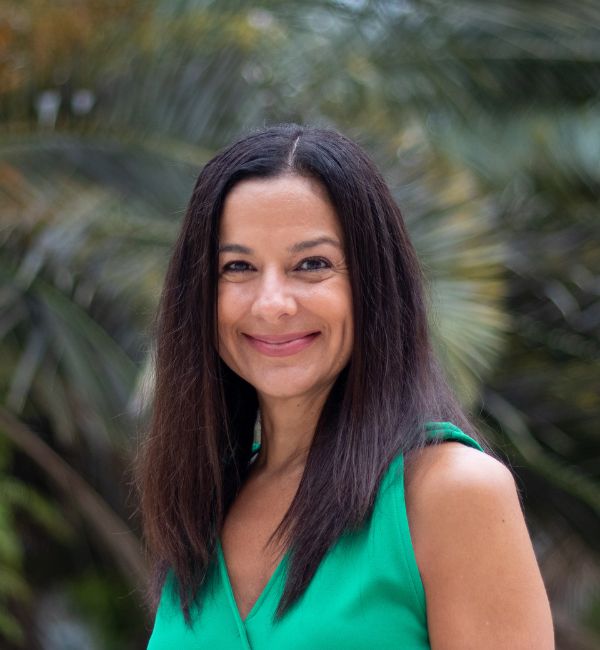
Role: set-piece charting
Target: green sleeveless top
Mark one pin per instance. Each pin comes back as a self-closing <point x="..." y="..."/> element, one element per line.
<point x="366" y="593"/>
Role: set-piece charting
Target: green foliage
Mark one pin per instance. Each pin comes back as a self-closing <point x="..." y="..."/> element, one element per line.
<point x="103" y="600"/>
<point x="18" y="499"/>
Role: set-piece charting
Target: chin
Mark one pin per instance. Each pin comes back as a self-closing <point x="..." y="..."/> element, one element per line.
<point x="283" y="392"/>
<point x="288" y="388"/>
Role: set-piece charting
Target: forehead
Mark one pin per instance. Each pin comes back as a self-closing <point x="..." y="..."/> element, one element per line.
<point x="287" y="206"/>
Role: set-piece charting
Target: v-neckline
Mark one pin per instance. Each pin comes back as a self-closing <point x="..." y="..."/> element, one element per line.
<point x="229" y="588"/>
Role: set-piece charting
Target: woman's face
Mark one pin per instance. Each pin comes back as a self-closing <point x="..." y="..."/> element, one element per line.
<point x="284" y="299"/>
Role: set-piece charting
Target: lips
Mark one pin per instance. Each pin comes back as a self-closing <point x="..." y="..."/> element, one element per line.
<point x="281" y="345"/>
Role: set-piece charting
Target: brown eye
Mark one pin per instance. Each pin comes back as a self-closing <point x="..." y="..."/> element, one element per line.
<point x="236" y="267"/>
<point x="314" y="264"/>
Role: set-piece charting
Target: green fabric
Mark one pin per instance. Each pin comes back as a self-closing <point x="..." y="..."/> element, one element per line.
<point x="366" y="593"/>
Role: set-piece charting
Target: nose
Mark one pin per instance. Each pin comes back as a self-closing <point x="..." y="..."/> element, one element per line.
<point x="274" y="297"/>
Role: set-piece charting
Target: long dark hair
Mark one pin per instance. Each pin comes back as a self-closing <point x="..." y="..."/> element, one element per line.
<point x="199" y="446"/>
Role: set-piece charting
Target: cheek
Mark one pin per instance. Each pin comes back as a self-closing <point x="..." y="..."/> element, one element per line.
<point x="334" y="306"/>
<point x="338" y="302"/>
<point x="228" y="310"/>
<point x="346" y="319"/>
<point x="230" y="302"/>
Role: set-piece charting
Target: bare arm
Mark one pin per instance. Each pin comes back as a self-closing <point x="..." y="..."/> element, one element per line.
<point x="482" y="582"/>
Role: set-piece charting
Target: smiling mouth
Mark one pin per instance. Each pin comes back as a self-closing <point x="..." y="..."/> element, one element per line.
<point x="280" y="345"/>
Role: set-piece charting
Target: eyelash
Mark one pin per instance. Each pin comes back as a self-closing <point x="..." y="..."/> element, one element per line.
<point x="228" y="267"/>
<point x="326" y="264"/>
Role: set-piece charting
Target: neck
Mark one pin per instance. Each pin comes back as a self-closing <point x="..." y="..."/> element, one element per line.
<point x="287" y="430"/>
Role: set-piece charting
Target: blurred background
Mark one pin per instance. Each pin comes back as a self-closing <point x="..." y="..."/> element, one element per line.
<point x="484" y="117"/>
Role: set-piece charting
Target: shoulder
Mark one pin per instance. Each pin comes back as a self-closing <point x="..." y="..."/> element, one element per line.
<point x="454" y="493"/>
<point x="482" y="582"/>
<point x="432" y="471"/>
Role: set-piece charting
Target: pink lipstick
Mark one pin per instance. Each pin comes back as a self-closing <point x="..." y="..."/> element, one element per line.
<point x="281" y="345"/>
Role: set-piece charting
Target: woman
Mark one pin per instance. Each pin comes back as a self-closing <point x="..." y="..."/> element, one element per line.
<point x="294" y="293"/>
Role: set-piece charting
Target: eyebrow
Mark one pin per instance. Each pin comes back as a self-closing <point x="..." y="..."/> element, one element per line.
<point x="235" y="248"/>
<point x="296" y="248"/>
<point x="311" y="243"/>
